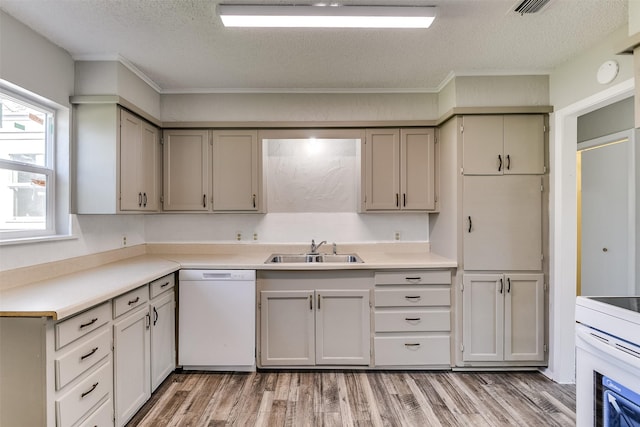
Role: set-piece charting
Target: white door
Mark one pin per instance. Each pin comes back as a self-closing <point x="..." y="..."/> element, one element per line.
<point x="483" y="317"/>
<point x="608" y="216"/>
<point x="524" y="317"/>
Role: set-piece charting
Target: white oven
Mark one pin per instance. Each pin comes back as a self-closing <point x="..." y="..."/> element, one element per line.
<point x="608" y="361"/>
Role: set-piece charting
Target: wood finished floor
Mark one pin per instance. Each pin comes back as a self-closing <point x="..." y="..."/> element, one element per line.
<point x="359" y="398"/>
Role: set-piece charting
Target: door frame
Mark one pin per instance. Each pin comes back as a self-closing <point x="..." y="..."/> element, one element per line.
<point x="563" y="227"/>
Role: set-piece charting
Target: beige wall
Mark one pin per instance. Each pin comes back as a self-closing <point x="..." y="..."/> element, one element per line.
<point x="502" y="91"/>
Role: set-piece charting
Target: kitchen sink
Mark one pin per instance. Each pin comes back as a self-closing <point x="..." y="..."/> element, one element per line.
<point x="312" y="258"/>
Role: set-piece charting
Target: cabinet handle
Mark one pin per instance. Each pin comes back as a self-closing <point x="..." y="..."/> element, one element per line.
<point x="204" y="200"/>
<point x="499" y="163"/>
<point x="310" y="302"/>
<point x="133" y="301"/>
<point x="139" y="199"/>
<point x="412" y="319"/>
<point x="144" y="200"/>
<point x="397" y="200"/>
<point x="413" y="279"/>
<point x="470" y="224"/>
<point x="318" y="301"/>
<point x="508" y="284"/>
<point x="164" y="285"/>
<point x="148" y="319"/>
<point x="91" y="353"/>
<point x="412" y="298"/>
<point x="155" y="316"/>
<point x="508" y="162"/>
<point x="254" y="201"/>
<point x="89" y="323"/>
<point x="404" y="200"/>
<point x="501" y="285"/>
<point x="93" y="387"/>
<point x="412" y="344"/>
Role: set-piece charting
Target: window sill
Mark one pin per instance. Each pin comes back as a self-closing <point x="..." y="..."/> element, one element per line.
<point x="37" y="239"/>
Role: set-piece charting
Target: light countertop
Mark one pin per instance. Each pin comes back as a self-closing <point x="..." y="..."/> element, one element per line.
<point x="62" y="296"/>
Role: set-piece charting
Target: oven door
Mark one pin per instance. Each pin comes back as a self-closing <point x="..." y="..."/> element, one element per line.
<point x="607" y="380"/>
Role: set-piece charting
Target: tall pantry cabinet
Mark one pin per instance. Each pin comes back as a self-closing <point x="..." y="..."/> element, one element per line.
<point x="500" y="192"/>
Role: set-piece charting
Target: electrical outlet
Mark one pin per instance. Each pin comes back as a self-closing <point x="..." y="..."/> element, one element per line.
<point x="396" y="235"/>
<point x="238" y="235"/>
<point x="124" y="241"/>
<point x="255" y="236"/>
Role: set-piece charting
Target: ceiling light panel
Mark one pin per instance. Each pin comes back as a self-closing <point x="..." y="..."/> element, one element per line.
<point x="307" y="16"/>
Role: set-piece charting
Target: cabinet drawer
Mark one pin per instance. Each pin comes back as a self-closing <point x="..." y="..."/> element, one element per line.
<point x="413" y="321"/>
<point x="101" y="417"/>
<point x="412" y="297"/>
<point x="408" y="350"/>
<point x="161" y="285"/>
<point x="413" y="277"/>
<point x="81" y="358"/>
<point x="127" y="302"/>
<point x="81" y="324"/>
<point x="81" y="398"/>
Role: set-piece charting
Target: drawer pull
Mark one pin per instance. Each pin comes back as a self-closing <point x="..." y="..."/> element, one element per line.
<point x="89" y="323"/>
<point x="413" y="279"/>
<point x="133" y="301"/>
<point x="412" y="319"/>
<point x="93" y="387"/>
<point x="413" y="298"/>
<point x="164" y="285"/>
<point x="91" y="353"/>
<point x="412" y="345"/>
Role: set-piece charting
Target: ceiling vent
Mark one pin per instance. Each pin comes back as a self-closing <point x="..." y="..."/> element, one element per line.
<point x="530" y="6"/>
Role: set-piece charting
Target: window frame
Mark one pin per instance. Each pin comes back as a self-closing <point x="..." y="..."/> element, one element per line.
<point x="48" y="170"/>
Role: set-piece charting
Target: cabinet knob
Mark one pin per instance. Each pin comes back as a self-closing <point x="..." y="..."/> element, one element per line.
<point x="605" y="250"/>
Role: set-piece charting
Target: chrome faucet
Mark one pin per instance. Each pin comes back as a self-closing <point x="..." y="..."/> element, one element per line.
<point x="314" y="247"/>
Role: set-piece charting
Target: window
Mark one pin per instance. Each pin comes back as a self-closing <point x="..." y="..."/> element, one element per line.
<point x="26" y="168"/>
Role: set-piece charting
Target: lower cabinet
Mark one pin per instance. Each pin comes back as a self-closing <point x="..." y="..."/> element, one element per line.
<point x="315" y="327"/>
<point x="163" y="338"/>
<point x="503" y="318"/>
<point x="413" y="319"/>
<point x="314" y="318"/>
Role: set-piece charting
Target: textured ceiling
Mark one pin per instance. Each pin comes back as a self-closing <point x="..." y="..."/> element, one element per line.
<point x="182" y="46"/>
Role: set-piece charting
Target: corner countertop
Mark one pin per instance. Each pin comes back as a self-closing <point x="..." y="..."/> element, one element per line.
<point x="62" y="296"/>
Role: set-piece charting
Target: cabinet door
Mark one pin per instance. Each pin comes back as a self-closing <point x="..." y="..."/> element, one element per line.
<point x="186" y="170"/>
<point x="382" y="175"/>
<point x="235" y="171"/>
<point x="131" y="162"/>
<point x="502" y="222"/>
<point x="524" y="317"/>
<point x="524" y="144"/>
<point x="132" y="364"/>
<point x="150" y="166"/>
<point x="342" y="327"/>
<point x="163" y="332"/>
<point x="417" y="179"/>
<point x="483" y="317"/>
<point x="287" y="328"/>
<point x="482" y="145"/>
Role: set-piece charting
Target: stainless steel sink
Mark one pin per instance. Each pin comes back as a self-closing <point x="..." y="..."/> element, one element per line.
<point x="313" y="258"/>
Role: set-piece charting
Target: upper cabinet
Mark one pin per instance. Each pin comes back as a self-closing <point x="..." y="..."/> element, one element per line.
<point x="399" y="170"/>
<point x="236" y="171"/>
<point x="503" y="145"/>
<point x="118" y="161"/>
<point x="211" y="171"/>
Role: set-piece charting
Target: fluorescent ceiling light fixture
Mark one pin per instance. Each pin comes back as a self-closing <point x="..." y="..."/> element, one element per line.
<point x="308" y="16"/>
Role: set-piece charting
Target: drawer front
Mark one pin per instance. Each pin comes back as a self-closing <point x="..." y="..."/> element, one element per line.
<point x="413" y="277"/>
<point x="127" y="302"/>
<point x="81" y="358"/>
<point x="161" y="285"/>
<point x="411" y="351"/>
<point x="413" y="321"/>
<point x="412" y="297"/>
<point x="81" y="324"/>
<point x="87" y="394"/>
<point x="101" y="417"/>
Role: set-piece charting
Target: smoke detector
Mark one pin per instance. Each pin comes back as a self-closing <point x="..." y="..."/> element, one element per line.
<point x="530" y="6"/>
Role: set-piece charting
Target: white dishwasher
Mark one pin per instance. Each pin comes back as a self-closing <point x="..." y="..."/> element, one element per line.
<point x="217" y="320"/>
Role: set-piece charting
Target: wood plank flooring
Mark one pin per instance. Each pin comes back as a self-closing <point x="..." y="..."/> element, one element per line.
<point x="359" y="398"/>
